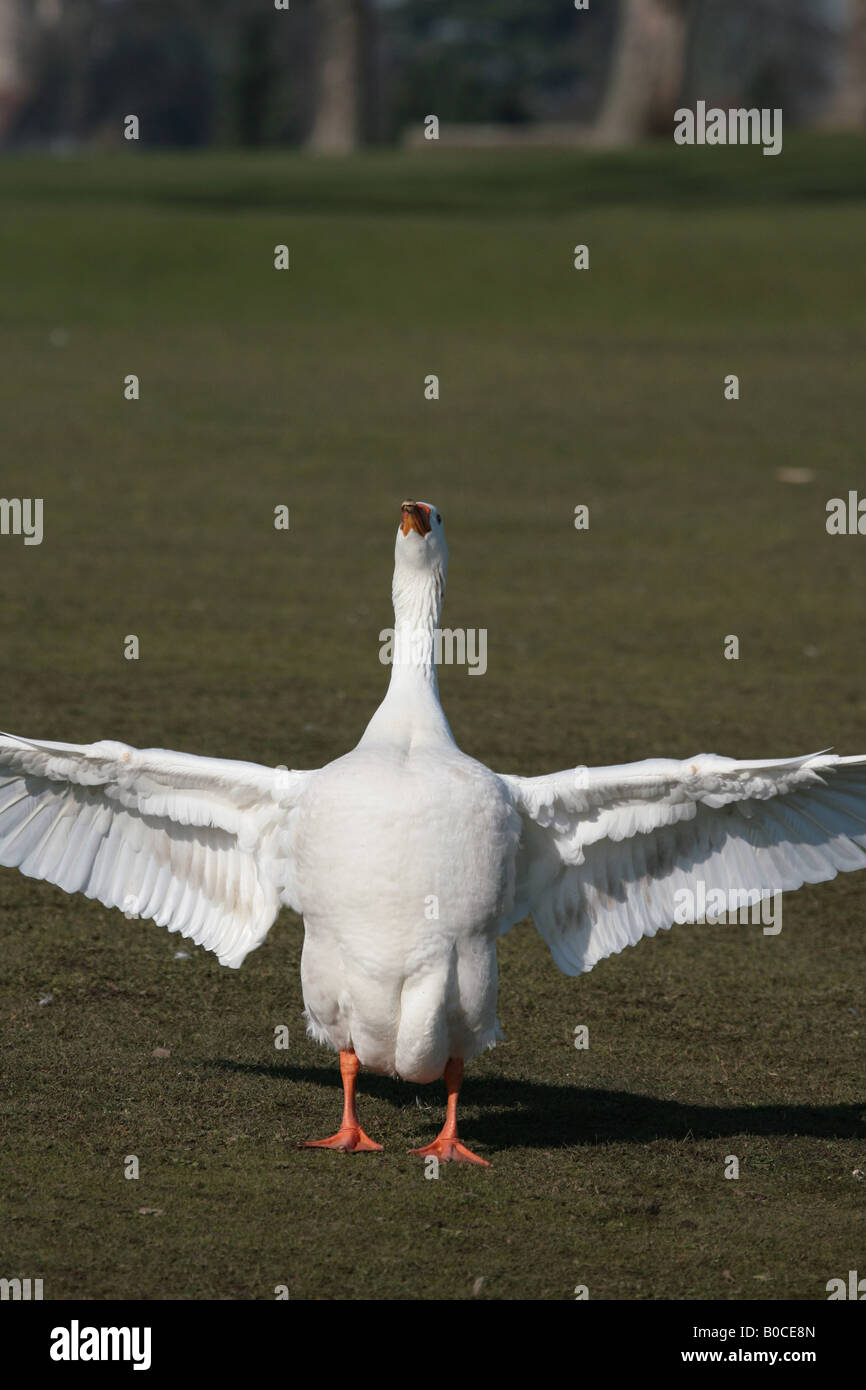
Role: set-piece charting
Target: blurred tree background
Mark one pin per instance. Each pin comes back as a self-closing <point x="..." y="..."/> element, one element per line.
<point x="337" y="74"/>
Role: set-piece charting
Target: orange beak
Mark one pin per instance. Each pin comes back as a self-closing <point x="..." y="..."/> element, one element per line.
<point x="414" y="516"/>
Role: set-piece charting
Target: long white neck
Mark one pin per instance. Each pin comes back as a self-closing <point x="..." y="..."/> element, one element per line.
<point x="410" y="714"/>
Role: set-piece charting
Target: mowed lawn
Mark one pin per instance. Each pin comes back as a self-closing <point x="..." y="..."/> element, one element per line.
<point x="557" y="388"/>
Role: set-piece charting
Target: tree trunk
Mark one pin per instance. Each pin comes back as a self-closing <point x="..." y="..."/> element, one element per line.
<point x="338" y="114"/>
<point x="646" y="71"/>
<point x="14" y="86"/>
<point x="847" y="108"/>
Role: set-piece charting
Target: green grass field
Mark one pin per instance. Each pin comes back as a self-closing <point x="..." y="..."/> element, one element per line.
<point x="558" y="387"/>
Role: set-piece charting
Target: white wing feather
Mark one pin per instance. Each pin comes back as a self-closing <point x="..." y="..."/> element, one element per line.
<point x="199" y="845"/>
<point x="605" y="851"/>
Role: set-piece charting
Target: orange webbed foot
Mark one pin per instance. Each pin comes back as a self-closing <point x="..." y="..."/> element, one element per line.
<point x="450" y="1151"/>
<point x="349" y="1139"/>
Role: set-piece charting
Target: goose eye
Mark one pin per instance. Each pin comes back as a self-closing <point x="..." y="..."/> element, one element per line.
<point x="438" y="518"/>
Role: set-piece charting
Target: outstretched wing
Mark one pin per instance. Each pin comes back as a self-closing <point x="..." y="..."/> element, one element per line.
<point x="611" y="854"/>
<point x="199" y="845"/>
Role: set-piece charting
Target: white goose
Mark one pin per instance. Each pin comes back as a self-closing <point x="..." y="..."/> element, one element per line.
<point x="407" y="858"/>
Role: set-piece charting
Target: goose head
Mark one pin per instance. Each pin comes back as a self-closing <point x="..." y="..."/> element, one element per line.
<point x="421" y="543"/>
<point x="420" y="566"/>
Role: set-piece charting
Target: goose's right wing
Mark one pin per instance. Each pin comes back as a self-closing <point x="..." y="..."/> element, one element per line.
<point x="611" y="854"/>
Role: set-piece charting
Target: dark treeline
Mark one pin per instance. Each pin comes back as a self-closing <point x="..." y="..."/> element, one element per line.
<point x="335" y="74"/>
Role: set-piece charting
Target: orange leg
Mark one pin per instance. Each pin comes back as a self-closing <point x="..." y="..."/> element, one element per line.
<point x="350" y="1137"/>
<point x="447" y="1146"/>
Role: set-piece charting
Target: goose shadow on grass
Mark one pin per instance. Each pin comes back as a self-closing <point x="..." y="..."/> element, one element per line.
<point x="509" y="1113"/>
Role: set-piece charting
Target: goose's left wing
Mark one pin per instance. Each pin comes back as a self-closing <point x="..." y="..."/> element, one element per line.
<point x="611" y="854"/>
<point x="199" y="845"/>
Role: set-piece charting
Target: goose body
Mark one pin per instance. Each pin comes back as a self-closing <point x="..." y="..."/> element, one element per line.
<point x="407" y="858"/>
<point x="399" y="959"/>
